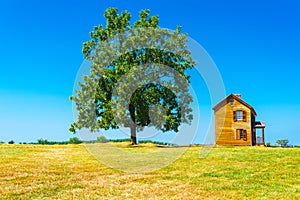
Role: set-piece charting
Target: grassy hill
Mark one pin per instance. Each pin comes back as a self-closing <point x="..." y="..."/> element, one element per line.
<point x="70" y="172"/>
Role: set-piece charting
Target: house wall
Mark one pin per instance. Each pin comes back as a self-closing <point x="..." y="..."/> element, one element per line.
<point x="225" y="126"/>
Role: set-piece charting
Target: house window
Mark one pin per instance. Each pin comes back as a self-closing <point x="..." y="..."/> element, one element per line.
<point x="231" y="102"/>
<point x="241" y="134"/>
<point x="239" y="115"/>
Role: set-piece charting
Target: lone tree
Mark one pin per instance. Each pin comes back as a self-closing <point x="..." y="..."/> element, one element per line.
<point x="282" y="142"/>
<point x="137" y="77"/>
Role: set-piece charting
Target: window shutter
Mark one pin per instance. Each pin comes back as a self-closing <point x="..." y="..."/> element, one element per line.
<point x="234" y="116"/>
<point x="245" y="135"/>
<point x="244" y="116"/>
<point x="237" y="134"/>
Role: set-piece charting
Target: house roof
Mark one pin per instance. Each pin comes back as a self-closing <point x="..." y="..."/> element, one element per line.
<point x="260" y="125"/>
<point x="229" y="97"/>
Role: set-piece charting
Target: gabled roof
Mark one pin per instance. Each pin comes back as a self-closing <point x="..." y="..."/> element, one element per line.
<point x="232" y="96"/>
<point x="260" y="125"/>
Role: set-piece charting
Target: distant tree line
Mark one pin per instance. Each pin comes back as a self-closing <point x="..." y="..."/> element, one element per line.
<point x="75" y="140"/>
<point x="72" y="140"/>
<point x="102" y="139"/>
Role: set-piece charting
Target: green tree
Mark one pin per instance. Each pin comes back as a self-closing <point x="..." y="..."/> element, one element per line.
<point x="282" y="142"/>
<point x="128" y="79"/>
<point x="101" y="139"/>
<point x="11" y="142"/>
<point x="43" y="141"/>
<point x="74" y="140"/>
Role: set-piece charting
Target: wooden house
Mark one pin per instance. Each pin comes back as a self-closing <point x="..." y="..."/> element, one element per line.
<point x="235" y="123"/>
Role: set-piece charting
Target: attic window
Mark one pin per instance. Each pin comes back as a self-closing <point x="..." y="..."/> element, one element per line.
<point x="231" y="102"/>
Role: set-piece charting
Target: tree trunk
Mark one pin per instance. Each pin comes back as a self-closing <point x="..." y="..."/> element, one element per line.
<point x="132" y="124"/>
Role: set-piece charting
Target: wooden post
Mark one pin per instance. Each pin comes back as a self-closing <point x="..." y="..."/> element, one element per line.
<point x="263" y="135"/>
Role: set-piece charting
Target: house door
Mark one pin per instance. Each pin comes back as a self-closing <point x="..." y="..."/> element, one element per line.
<point x="259" y="136"/>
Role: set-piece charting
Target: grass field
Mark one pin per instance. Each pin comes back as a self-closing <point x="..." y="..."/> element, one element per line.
<point x="70" y="172"/>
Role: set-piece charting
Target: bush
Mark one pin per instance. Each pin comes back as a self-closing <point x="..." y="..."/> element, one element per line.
<point x="153" y="142"/>
<point x="101" y="139"/>
<point x="11" y="142"/>
<point x="268" y="144"/>
<point x="121" y="140"/>
<point x="74" y="140"/>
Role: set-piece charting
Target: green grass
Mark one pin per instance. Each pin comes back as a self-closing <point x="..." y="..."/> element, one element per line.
<point x="70" y="172"/>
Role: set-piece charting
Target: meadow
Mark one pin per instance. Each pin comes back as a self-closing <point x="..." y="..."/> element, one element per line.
<point x="71" y="172"/>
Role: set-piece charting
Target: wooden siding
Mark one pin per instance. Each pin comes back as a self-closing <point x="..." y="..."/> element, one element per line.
<point x="226" y="126"/>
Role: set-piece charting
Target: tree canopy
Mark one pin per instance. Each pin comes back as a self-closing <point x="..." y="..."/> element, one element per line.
<point x="282" y="142"/>
<point x="137" y="77"/>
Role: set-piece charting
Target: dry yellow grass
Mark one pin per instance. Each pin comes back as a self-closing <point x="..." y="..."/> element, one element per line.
<point x="70" y="172"/>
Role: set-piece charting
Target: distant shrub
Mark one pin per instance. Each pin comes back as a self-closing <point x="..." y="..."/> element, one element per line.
<point x="101" y="139"/>
<point x="268" y="144"/>
<point x="120" y="140"/>
<point x="153" y="142"/>
<point x="74" y="140"/>
<point x="43" y="141"/>
<point x="11" y="142"/>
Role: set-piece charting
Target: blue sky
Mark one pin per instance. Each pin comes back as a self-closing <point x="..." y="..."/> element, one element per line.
<point x="255" y="45"/>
